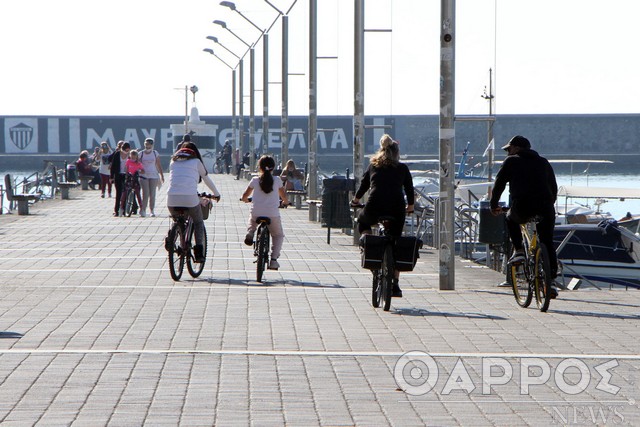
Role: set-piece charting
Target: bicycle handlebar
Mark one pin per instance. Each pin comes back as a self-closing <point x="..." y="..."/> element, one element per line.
<point x="209" y="196"/>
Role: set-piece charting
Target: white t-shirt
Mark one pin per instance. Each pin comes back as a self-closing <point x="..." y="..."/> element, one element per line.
<point x="183" y="182"/>
<point x="265" y="204"/>
<point x="105" y="166"/>
<point x="148" y="160"/>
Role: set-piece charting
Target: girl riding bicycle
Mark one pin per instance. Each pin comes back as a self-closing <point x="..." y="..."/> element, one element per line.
<point x="386" y="177"/>
<point x="267" y="193"/>
<point x="132" y="166"/>
<point x="185" y="170"/>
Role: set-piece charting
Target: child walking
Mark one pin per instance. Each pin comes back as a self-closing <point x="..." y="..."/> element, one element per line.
<point x="132" y="166"/>
<point x="267" y="193"/>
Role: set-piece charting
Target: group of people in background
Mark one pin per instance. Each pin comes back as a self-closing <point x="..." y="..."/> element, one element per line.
<point x="141" y="170"/>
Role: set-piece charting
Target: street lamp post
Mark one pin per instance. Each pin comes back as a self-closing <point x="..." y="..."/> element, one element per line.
<point x="312" y="191"/>
<point x="252" y="145"/>
<point x="447" y="142"/>
<point x="241" y="93"/>
<point x="233" y="90"/>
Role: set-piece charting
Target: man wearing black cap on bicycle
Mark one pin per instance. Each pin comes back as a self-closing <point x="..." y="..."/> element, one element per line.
<point x="532" y="192"/>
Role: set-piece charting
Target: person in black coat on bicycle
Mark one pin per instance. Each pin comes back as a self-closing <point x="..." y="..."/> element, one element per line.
<point x="533" y="191"/>
<point x="390" y="182"/>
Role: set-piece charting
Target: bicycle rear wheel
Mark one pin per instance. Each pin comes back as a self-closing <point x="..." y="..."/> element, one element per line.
<point x="517" y="278"/>
<point x="542" y="278"/>
<point x="387" y="277"/>
<point x="263" y="251"/>
<point x="376" y="288"/>
<point x="130" y="200"/>
<point x="176" y="252"/>
<point x="196" y="268"/>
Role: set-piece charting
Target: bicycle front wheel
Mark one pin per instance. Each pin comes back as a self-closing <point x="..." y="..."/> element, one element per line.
<point x="542" y="278"/>
<point x="387" y="277"/>
<point x="176" y="252"/>
<point x="517" y="278"/>
<point x="196" y="268"/>
<point x="263" y="251"/>
<point x="130" y="200"/>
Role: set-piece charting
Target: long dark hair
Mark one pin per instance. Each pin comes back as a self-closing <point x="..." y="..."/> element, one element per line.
<point x="266" y="164"/>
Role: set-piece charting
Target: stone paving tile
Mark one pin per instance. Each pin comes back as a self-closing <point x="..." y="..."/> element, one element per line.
<point x="110" y="339"/>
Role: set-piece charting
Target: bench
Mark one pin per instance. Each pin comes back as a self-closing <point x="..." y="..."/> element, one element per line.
<point x="85" y="180"/>
<point x="22" y="199"/>
<point x="64" y="189"/>
<point x="297" y="196"/>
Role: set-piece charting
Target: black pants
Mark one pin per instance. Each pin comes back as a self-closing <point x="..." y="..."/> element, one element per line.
<point x="370" y="215"/>
<point x="544" y="228"/>
<point x="119" y="182"/>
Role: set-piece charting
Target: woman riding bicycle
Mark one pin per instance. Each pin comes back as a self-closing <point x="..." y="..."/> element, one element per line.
<point x="387" y="177"/>
<point x="267" y="193"/>
<point x="185" y="170"/>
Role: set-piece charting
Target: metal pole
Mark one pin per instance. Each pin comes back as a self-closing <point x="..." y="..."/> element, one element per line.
<point x="358" y="92"/>
<point x="358" y="98"/>
<point x="265" y="94"/>
<point x="447" y="146"/>
<point x="233" y="108"/>
<point x="312" y="191"/>
<point x="252" y="130"/>
<point x="243" y="148"/>
<point x="186" y="109"/>
<point x="285" y="91"/>
<point x="490" y="130"/>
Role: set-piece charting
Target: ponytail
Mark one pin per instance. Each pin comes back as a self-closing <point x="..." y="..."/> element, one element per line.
<point x="266" y="164"/>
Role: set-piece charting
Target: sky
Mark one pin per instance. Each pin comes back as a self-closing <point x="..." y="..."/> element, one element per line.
<point x="135" y="57"/>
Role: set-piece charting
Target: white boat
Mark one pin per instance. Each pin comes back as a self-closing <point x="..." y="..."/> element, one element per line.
<point x="601" y="254"/>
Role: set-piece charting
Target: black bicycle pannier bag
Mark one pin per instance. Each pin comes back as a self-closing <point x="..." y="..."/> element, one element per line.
<point x="406" y="252"/>
<point x="372" y="251"/>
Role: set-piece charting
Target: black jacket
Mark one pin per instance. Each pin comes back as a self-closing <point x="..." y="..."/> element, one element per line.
<point x="531" y="179"/>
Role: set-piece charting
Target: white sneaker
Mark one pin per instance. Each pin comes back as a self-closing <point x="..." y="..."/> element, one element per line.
<point x="152" y="214"/>
<point x="143" y="213"/>
<point x="273" y="264"/>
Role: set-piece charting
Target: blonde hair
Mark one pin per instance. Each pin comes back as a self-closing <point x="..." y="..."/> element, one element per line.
<point x="133" y="153"/>
<point x="388" y="154"/>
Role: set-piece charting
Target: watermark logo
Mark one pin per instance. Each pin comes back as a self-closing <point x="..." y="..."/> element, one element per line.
<point x="417" y="373"/>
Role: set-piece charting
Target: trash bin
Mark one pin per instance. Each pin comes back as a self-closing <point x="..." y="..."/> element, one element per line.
<point x="492" y="230"/>
<point x="336" y="212"/>
<point x="71" y="173"/>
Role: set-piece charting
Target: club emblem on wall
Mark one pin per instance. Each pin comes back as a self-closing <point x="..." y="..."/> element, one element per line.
<point x="21" y="135"/>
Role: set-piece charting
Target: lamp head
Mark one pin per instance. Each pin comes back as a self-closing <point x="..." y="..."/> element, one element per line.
<point x="228" y="4"/>
<point x="208" y="51"/>
<point x="213" y="38"/>
<point x="221" y="23"/>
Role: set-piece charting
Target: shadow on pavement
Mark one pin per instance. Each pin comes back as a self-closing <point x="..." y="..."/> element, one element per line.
<point x="423" y="312"/>
<point x="596" y="314"/>
<point x="271" y="283"/>
<point x="7" y="334"/>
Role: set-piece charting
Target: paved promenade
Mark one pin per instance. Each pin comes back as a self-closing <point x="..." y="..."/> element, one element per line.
<point x="94" y="332"/>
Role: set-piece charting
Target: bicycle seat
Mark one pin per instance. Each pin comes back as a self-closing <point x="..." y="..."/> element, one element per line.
<point x="264" y="219"/>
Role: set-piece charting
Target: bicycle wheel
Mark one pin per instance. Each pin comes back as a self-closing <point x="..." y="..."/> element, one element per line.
<point x="387" y="277"/>
<point x="517" y="278"/>
<point x="176" y="252"/>
<point x="263" y="251"/>
<point x="130" y="200"/>
<point x="195" y="268"/>
<point x="542" y="278"/>
<point x="376" y="288"/>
